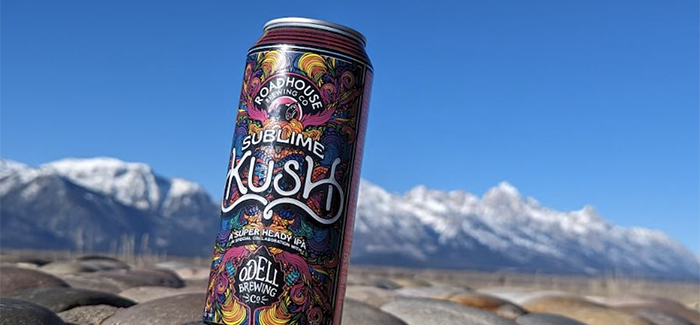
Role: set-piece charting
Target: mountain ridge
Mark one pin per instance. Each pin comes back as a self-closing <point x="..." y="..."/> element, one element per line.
<point x="516" y="230"/>
<point x="423" y="227"/>
<point x="75" y="204"/>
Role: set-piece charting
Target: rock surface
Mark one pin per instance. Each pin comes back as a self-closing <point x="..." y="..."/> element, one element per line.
<point x="546" y="319"/>
<point x="169" y="310"/>
<point x="370" y="295"/>
<point x="125" y="279"/>
<point x="359" y="313"/>
<point x="60" y="299"/>
<point x="583" y="310"/>
<point x="418" y="311"/>
<point x="658" y="317"/>
<point x="143" y="294"/>
<point x="20" y="312"/>
<point x="102" y="290"/>
<point x="88" y="315"/>
<point x="16" y="279"/>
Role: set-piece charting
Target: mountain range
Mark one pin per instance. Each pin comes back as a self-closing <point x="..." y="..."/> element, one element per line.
<point x="104" y="204"/>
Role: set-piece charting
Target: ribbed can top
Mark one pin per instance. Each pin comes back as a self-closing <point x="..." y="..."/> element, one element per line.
<point x="318" y="34"/>
<point x="317" y="24"/>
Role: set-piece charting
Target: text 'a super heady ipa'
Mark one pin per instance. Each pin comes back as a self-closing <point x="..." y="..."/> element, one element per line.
<point x="289" y="202"/>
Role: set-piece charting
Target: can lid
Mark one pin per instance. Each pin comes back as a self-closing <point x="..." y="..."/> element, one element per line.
<point x="315" y="23"/>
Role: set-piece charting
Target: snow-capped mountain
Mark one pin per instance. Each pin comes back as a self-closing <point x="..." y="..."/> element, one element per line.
<point x="133" y="184"/>
<point x="504" y="230"/>
<point x="105" y="204"/>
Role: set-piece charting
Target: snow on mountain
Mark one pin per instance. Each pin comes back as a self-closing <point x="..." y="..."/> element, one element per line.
<point x="503" y="229"/>
<point x="74" y="202"/>
<point x="102" y="201"/>
<point x="132" y="184"/>
<point x="11" y="165"/>
<point x="13" y="173"/>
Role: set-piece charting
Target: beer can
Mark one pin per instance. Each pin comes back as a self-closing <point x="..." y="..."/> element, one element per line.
<point x="290" y="193"/>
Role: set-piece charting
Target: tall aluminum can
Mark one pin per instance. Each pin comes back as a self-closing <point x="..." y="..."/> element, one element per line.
<point x="290" y="196"/>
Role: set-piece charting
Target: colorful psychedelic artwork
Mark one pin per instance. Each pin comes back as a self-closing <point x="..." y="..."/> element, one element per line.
<point x="277" y="255"/>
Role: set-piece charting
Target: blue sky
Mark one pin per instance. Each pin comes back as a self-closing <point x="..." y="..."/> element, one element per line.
<point x="572" y="102"/>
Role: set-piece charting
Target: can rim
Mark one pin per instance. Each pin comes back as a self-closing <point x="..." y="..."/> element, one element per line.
<point x="318" y="24"/>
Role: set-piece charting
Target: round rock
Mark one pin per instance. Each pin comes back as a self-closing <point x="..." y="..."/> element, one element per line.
<point x="20" y="312"/>
<point x="667" y="313"/>
<point x="419" y="311"/>
<point x="60" y="299"/>
<point x="103" y="263"/>
<point x="15" y="279"/>
<point x="88" y="315"/>
<point x="370" y="295"/>
<point x="180" y="309"/>
<point x="546" y="319"/>
<point x="16" y="259"/>
<point x="428" y="292"/>
<point x="66" y="267"/>
<point x="125" y="279"/>
<point x="385" y="283"/>
<point x="91" y="283"/>
<point x="411" y="282"/>
<point x="671" y="307"/>
<point x="359" y="313"/>
<point x="192" y="275"/>
<point x="583" y="310"/>
<point x="485" y="302"/>
<point x="143" y="294"/>
<point x="473" y="299"/>
<point x="520" y="295"/>
<point x="659" y="317"/>
<point x="556" y="302"/>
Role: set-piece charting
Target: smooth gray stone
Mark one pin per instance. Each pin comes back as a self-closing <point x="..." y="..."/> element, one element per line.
<point x="669" y="306"/>
<point x="186" y="271"/>
<point x="14" y="259"/>
<point x="387" y="284"/>
<point x="359" y="313"/>
<point x="60" y="299"/>
<point x="125" y="279"/>
<point x="143" y="294"/>
<point x="659" y="317"/>
<point x="428" y="292"/>
<point x="103" y="263"/>
<point x="420" y="311"/>
<point x="66" y="267"/>
<point x="88" y="315"/>
<point x="441" y="284"/>
<point x="546" y="319"/>
<point x="172" y="265"/>
<point x="370" y="295"/>
<point x="467" y="298"/>
<point x="15" y="279"/>
<point x="520" y="295"/>
<point x="91" y="283"/>
<point x="180" y="309"/>
<point x="20" y="312"/>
